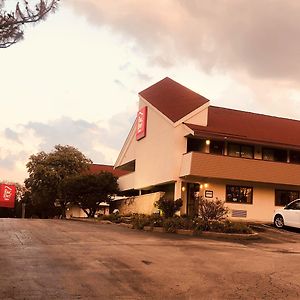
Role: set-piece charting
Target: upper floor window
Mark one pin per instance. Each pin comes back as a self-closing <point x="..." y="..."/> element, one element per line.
<point x="274" y="154"/>
<point x="295" y="157"/>
<point x="216" y="147"/>
<point x="284" y="197"/>
<point x="195" y="145"/>
<point x="238" y="150"/>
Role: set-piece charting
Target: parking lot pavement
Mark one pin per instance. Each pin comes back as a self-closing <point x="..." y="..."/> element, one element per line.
<point x="56" y="259"/>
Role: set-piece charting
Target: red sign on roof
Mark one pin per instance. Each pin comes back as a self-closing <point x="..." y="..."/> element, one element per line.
<point x="7" y="195"/>
<point x="141" y="124"/>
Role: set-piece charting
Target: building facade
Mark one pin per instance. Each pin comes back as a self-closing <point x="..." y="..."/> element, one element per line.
<point x="187" y="148"/>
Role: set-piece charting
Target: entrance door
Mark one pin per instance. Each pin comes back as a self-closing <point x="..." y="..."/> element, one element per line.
<point x="192" y="199"/>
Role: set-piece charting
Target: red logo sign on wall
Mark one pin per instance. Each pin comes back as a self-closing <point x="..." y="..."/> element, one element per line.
<point x="141" y="124"/>
<point x="7" y="195"/>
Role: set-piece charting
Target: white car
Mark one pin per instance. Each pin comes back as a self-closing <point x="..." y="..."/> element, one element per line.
<point x="288" y="216"/>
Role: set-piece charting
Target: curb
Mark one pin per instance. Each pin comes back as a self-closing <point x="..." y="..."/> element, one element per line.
<point x="234" y="236"/>
<point x="93" y="221"/>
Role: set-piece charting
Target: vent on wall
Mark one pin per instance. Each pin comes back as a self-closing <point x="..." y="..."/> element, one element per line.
<point x="238" y="213"/>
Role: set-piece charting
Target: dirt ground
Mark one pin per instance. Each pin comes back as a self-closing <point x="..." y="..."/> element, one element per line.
<point x="57" y="259"/>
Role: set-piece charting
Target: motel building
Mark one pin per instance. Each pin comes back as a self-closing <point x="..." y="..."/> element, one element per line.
<point x="183" y="147"/>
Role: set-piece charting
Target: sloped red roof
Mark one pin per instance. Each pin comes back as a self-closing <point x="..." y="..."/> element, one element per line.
<point x="251" y="127"/>
<point x="96" y="168"/>
<point x="172" y="99"/>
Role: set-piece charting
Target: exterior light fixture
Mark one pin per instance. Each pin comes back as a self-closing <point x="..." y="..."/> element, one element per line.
<point x="201" y="186"/>
<point x="183" y="188"/>
<point x="207" y="142"/>
<point x="206" y="185"/>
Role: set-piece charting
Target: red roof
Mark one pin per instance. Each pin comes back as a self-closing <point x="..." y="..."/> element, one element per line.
<point x="251" y="127"/>
<point x="172" y="99"/>
<point x="95" y="168"/>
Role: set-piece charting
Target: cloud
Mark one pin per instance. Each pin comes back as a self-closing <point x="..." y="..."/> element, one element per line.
<point x="101" y="141"/>
<point x="257" y="37"/>
<point x="12" y="135"/>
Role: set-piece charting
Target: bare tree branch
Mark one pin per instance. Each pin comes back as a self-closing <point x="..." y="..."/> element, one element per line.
<point x="12" y="23"/>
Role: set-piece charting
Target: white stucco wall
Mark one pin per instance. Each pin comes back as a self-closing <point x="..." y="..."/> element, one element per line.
<point x="158" y="155"/>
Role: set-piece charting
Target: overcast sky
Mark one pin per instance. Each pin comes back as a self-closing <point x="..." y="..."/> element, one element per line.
<point x="74" y="78"/>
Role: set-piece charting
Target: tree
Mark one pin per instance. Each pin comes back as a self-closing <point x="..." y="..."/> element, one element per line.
<point x="89" y="190"/>
<point x="47" y="171"/>
<point x="12" y="23"/>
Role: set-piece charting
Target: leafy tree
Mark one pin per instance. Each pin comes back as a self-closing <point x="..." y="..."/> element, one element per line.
<point x="46" y="173"/>
<point x="12" y="23"/>
<point x="89" y="190"/>
<point x="168" y="206"/>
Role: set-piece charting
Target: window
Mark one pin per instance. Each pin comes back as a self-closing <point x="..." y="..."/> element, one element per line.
<point x="274" y="155"/>
<point x="246" y="151"/>
<point x="234" y="150"/>
<point x="295" y="157"/>
<point x="237" y="150"/>
<point x="239" y="194"/>
<point x="216" y="147"/>
<point x="284" y="197"/>
<point x="195" y="145"/>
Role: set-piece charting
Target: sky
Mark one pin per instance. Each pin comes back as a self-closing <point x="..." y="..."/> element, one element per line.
<point x="74" y="79"/>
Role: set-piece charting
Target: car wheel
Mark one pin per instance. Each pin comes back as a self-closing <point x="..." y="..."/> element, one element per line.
<point x="278" y="221"/>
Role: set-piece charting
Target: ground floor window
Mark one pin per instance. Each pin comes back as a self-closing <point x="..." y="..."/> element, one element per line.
<point x="239" y="194"/>
<point x="284" y="197"/>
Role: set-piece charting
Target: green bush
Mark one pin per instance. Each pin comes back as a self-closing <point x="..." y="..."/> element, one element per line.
<point x="156" y="220"/>
<point x="115" y="218"/>
<point x="172" y="224"/>
<point x="236" y="227"/>
<point x="138" y="221"/>
<point x="200" y="225"/>
<point x="221" y="226"/>
<point x="168" y="206"/>
<point x="212" y="210"/>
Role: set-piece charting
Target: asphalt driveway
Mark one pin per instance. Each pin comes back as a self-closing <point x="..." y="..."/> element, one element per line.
<point x="56" y="259"/>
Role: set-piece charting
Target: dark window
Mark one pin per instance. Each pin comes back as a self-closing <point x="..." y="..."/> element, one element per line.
<point x="239" y="194"/>
<point x="216" y="147"/>
<point x="195" y="145"/>
<point x="246" y="151"/>
<point x="295" y="157"/>
<point x="234" y="150"/>
<point x="284" y="197"/>
<point x="274" y="154"/>
<point x="237" y="150"/>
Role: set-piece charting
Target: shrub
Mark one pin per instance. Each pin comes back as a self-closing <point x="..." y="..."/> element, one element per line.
<point x="221" y="226"/>
<point x="138" y="221"/>
<point x="156" y="220"/>
<point x="168" y="206"/>
<point x="236" y="227"/>
<point x="172" y="224"/>
<point x="115" y="218"/>
<point x="212" y="210"/>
